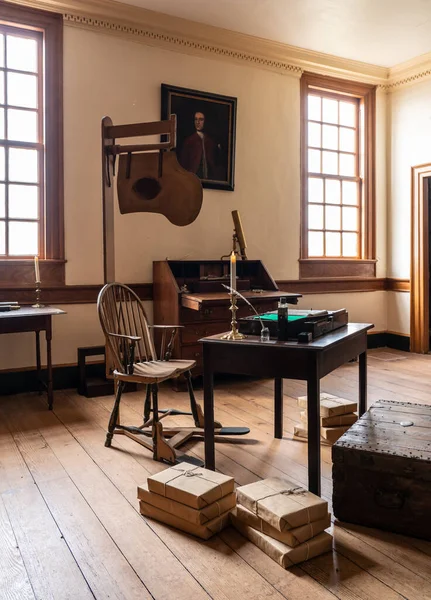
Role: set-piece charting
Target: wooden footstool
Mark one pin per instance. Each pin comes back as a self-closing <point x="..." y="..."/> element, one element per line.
<point x="382" y="469"/>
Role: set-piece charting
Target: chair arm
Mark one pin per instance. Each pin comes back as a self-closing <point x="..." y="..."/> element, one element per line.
<point x="165" y="326"/>
<point x="129" y="351"/>
<point x="131" y="338"/>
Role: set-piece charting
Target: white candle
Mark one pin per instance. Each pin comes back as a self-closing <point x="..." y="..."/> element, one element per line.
<point x="233" y="271"/>
<point x="36" y="268"/>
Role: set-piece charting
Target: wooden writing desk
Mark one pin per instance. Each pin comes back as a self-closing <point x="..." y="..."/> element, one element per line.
<point x="27" y="319"/>
<point x="289" y="360"/>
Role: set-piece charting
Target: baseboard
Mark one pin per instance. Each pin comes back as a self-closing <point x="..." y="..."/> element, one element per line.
<point x="388" y="339"/>
<point x="64" y="377"/>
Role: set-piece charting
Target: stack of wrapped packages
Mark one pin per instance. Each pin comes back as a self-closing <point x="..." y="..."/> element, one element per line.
<point x="336" y="416"/>
<point x="285" y="521"/>
<point x="189" y="498"/>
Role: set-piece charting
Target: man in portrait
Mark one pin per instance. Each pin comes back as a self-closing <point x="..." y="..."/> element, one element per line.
<point x="200" y="153"/>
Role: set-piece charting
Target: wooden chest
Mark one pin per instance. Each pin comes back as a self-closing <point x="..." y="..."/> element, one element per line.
<point x="382" y="469"/>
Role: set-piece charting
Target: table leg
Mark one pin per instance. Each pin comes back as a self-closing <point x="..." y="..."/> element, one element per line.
<point x="313" y="417"/>
<point x="38" y="362"/>
<point x="362" y="383"/>
<point x="208" y="377"/>
<point x="48" y="336"/>
<point x="278" y="408"/>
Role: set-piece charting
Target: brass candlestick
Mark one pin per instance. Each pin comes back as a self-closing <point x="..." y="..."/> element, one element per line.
<point x="234" y="334"/>
<point x="38" y="291"/>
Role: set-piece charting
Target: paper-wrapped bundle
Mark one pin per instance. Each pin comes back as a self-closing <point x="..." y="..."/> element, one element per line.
<point x="336" y="421"/>
<point x="202" y="531"/>
<point x="291" y="537"/>
<point x="193" y="515"/>
<point x="330" y="405"/>
<point x="281" y="503"/>
<point x="190" y="485"/>
<point x="285" y="555"/>
<point x="301" y="434"/>
<point x="327" y="434"/>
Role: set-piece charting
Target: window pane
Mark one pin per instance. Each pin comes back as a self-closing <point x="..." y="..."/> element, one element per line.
<point x="314" y="161"/>
<point x="21" y="53"/>
<point x="330" y="163"/>
<point x="22" y="125"/>
<point x="2" y="237"/>
<point x="330" y="137"/>
<point x="347" y="164"/>
<point x="2" y="165"/>
<point x="314" y="137"/>
<point x="332" y="217"/>
<point x="1" y="50"/>
<point x="23" y="238"/>
<point x="347" y="139"/>
<point x="315" y="216"/>
<point x="315" y="243"/>
<point x="333" y="244"/>
<point x="333" y="191"/>
<point x="314" y="108"/>
<point x="2" y="201"/>
<point x="2" y="87"/>
<point x="350" y="218"/>
<point x="350" y="192"/>
<point x="329" y="110"/>
<point x="350" y="244"/>
<point x="347" y="114"/>
<point x="23" y="165"/>
<point x="22" y="90"/>
<point x="23" y="202"/>
<point x="315" y="189"/>
<point x="2" y="132"/>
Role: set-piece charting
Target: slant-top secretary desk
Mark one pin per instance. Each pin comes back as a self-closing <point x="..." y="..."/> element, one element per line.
<point x="190" y="293"/>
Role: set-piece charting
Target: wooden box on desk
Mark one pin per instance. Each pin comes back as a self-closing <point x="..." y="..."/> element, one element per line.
<point x="190" y="293"/>
<point x="382" y="469"/>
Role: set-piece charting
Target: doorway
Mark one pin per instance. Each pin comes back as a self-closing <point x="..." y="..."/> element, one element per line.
<point x="420" y="259"/>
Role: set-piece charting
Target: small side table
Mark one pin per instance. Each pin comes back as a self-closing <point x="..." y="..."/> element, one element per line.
<point x="27" y="319"/>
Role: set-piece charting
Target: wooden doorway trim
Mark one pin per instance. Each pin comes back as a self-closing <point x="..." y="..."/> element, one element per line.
<point x="419" y="270"/>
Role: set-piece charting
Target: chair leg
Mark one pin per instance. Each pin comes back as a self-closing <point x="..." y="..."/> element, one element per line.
<point x="114" y="415"/>
<point x="193" y="404"/>
<point x="147" y="405"/>
<point x="156" y="429"/>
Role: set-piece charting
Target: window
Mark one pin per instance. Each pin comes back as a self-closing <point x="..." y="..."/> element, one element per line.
<point x="31" y="178"/>
<point x="337" y="233"/>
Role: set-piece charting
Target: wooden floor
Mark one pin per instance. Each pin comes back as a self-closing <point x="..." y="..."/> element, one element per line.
<point x="69" y="521"/>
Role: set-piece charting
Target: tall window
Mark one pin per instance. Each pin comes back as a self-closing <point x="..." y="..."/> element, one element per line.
<point x="31" y="145"/>
<point x="337" y="178"/>
<point x="21" y="142"/>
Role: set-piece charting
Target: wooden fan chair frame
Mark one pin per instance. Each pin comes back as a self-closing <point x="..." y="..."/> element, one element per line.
<point x="133" y="357"/>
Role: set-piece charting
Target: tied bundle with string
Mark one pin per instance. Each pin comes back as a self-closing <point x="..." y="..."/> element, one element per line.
<point x="236" y="293"/>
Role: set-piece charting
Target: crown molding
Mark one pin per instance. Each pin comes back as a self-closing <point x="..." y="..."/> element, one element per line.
<point x="409" y="73"/>
<point x="173" y="33"/>
<point x="180" y="35"/>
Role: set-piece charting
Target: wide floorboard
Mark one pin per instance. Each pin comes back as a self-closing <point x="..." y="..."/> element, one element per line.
<point x="70" y="526"/>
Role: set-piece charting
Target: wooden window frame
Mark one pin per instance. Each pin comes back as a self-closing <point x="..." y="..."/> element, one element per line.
<point x="20" y="271"/>
<point x="365" y="266"/>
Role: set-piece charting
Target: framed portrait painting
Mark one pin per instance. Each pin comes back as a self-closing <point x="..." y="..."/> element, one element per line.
<point x="205" y="134"/>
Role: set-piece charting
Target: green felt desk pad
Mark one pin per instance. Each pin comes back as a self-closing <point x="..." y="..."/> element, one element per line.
<point x="274" y="317"/>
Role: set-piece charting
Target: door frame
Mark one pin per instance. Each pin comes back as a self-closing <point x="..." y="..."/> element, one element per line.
<point x="419" y="265"/>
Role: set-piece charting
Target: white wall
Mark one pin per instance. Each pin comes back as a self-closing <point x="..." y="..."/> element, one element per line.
<point x="107" y="75"/>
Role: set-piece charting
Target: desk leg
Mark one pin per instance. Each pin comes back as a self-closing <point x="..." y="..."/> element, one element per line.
<point x="208" y="376"/>
<point x="313" y="417"/>
<point x="38" y="362"/>
<point x="49" y="365"/>
<point x="362" y="383"/>
<point x="278" y="408"/>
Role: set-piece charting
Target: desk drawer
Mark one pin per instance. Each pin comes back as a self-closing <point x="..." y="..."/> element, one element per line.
<point x="222" y="313"/>
<point x="195" y="331"/>
<point x="192" y="353"/>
